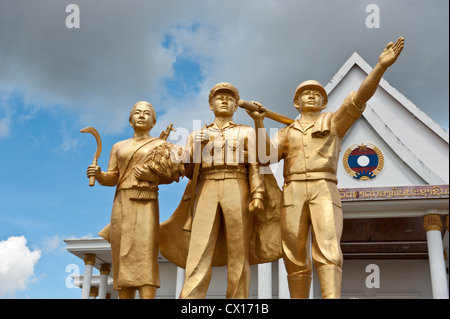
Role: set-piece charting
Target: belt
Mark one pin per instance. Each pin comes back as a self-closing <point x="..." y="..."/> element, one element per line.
<point x="222" y="174"/>
<point x="310" y="176"/>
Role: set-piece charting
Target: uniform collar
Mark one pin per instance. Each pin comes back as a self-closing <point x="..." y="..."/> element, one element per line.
<point x="227" y="125"/>
<point x="296" y="124"/>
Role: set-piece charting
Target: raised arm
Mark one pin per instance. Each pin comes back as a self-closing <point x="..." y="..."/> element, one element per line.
<point x="386" y="59"/>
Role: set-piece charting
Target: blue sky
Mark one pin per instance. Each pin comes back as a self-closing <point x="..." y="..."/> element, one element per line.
<point x="55" y="81"/>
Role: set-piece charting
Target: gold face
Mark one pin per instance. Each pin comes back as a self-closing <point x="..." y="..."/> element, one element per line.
<point x="141" y="118"/>
<point x="223" y="104"/>
<point x="310" y="100"/>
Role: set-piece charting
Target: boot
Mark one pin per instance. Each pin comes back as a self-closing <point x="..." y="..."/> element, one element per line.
<point x="330" y="278"/>
<point x="147" y="292"/>
<point x="299" y="285"/>
<point x="127" y="293"/>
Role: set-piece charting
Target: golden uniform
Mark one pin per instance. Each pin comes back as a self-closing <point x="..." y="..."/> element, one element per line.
<point x="310" y="196"/>
<point x="228" y="181"/>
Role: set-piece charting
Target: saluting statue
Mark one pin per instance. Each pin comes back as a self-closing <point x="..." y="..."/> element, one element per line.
<point x="310" y="149"/>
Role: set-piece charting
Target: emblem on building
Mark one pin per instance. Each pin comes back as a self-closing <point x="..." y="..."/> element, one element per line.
<point x="363" y="161"/>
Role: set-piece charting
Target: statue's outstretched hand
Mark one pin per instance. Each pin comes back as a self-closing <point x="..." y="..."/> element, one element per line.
<point x="391" y="53"/>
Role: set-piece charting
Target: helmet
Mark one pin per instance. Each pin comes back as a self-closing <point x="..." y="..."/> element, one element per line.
<point x="223" y="86"/>
<point x="311" y="84"/>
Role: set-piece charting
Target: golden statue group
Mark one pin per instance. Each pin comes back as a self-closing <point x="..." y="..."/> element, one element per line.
<point x="232" y="212"/>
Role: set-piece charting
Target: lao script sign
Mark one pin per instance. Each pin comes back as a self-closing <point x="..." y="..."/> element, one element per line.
<point x="395" y="192"/>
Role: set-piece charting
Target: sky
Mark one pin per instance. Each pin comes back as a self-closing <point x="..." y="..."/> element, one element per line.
<point x="59" y="74"/>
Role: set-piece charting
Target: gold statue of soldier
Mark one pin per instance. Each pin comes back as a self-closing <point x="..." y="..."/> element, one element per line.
<point x="228" y="215"/>
<point x="310" y="148"/>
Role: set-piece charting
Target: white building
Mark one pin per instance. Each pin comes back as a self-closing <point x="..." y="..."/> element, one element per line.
<point x="394" y="184"/>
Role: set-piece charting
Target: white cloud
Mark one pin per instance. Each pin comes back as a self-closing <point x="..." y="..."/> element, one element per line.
<point x="53" y="243"/>
<point x="266" y="48"/>
<point x="5" y="124"/>
<point x="69" y="143"/>
<point x="86" y="236"/>
<point x="5" y="115"/>
<point x="16" y="265"/>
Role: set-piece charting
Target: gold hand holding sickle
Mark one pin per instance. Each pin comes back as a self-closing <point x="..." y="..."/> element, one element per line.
<point x="164" y="135"/>
<point x="98" y="152"/>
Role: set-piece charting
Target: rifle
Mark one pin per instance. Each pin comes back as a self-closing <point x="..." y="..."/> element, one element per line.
<point x="269" y="114"/>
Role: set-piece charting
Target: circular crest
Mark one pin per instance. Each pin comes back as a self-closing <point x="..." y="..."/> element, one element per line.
<point x="363" y="161"/>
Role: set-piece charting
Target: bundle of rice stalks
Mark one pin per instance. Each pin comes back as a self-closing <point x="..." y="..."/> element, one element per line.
<point x="165" y="161"/>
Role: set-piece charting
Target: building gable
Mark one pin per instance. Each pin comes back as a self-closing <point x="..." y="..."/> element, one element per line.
<point x="415" y="147"/>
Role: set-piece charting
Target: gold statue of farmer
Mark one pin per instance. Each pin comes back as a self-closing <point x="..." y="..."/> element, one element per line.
<point x="136" y="167"/>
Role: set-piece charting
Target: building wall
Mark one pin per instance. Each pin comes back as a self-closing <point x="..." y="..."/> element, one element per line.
<point x="397" y="279"/>
<point x="402" y="279"/>
<point x="218" y="285"/>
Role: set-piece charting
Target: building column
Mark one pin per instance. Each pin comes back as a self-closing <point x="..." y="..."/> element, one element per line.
<point x="89" y="261"/>
<point x="105" y="269"/>
<point x="265" y="281"/>
<point x="433" y="226"/>
<point x="283" y="288"/>
<point x="446" y="247"/>
<point x="180" y="282"/>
